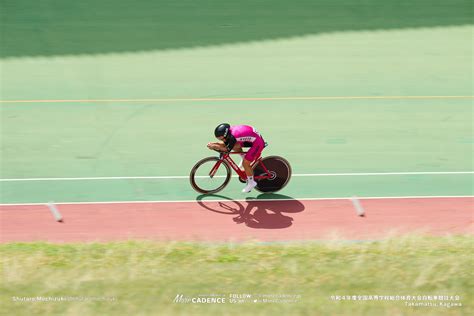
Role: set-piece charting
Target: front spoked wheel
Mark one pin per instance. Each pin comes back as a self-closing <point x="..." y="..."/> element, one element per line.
<point x="280" y="174"/>
<point x="210" y="175"/>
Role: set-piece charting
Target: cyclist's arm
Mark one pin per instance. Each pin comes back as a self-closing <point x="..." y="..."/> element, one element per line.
<point x="217" y="146"/>
<point x="223" y="147"/>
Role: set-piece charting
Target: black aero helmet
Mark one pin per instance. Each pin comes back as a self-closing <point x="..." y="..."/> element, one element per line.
<point x="222" y="130"/>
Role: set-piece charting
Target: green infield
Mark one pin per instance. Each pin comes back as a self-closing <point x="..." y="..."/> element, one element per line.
<point x="146" y="278"/>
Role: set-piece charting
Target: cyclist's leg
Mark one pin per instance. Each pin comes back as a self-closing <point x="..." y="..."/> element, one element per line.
<point x="252" y="154"/>
<point x="238" y="149"/>
<point x="255" y="151"/>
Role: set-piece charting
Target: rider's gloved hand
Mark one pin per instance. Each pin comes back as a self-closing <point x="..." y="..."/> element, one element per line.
<point x="213" y="146"/>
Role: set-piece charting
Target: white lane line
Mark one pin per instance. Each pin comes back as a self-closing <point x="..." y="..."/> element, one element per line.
<point x="380" y="173"/>
<point x="244" y="200"/>
<point x="295" y="98"/>
<point x="294" y="175"/>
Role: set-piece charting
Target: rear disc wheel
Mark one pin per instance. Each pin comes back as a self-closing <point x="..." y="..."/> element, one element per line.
<point x="279" y="171"/>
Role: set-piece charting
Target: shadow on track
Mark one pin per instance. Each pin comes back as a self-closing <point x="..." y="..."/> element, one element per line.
<point x="265" y="211"/>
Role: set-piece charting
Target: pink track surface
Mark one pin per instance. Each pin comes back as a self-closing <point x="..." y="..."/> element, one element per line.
<point x="216" y="221"/>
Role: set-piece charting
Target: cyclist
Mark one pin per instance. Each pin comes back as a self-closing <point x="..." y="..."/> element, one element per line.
<point x="233" y="139"/>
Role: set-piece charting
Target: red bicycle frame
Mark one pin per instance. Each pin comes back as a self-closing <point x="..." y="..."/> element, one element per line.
<point x="243" y="176"/>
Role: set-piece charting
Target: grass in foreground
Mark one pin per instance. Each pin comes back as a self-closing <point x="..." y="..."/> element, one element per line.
<point x="143" y="278"/>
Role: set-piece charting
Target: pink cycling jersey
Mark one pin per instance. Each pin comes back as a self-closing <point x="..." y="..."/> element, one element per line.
<point x="247" y="136"/>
